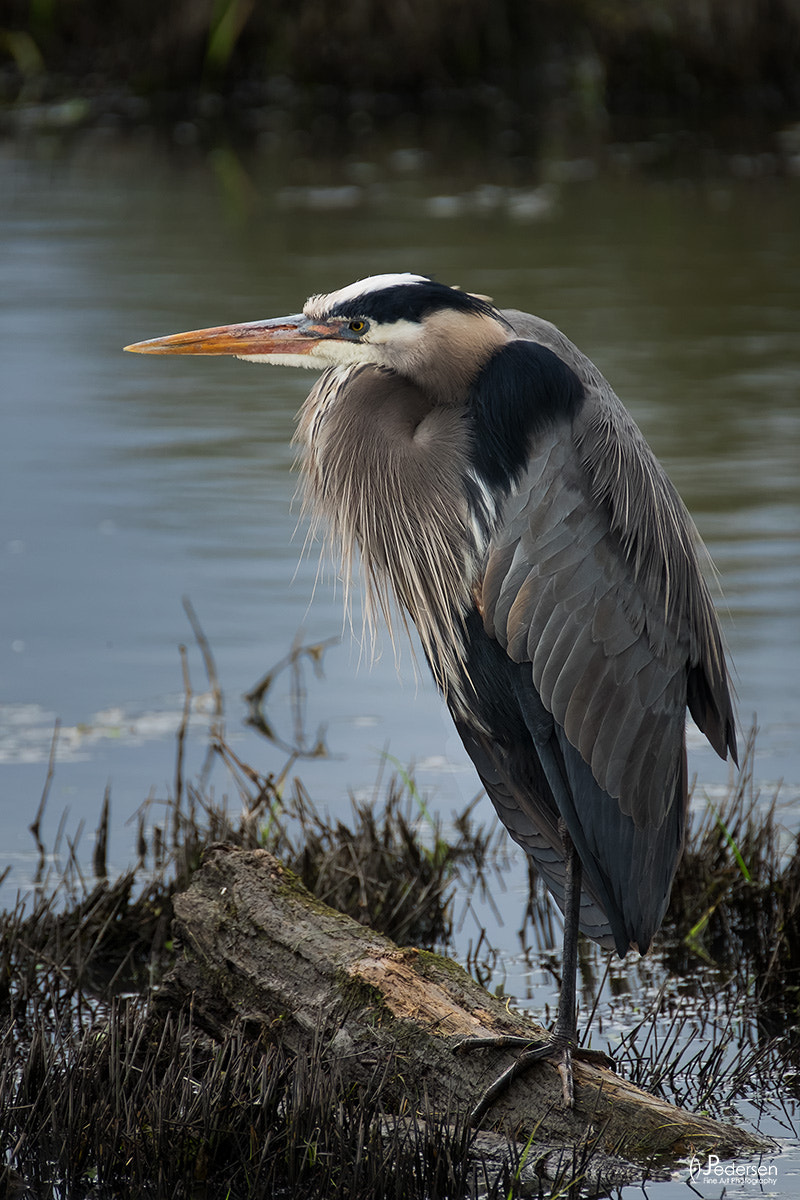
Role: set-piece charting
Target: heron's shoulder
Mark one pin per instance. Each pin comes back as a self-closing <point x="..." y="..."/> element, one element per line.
<point x="530" y="328"/>
<point x="523" y="390"/>
<point x="535" y="329"/>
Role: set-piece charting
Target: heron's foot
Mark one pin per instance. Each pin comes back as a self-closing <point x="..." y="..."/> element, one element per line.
<point x="559" y="1048"/>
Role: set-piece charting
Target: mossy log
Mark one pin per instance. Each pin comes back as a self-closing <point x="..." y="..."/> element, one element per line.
<point x="257" y="947"/>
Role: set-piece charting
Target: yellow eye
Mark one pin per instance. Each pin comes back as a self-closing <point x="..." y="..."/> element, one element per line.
<point x="357" y="326"/>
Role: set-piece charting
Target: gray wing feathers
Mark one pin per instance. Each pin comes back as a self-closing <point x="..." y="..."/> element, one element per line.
<point x="658" y="541"/>
<point x="554" y="595"/>
<point x="629" y="869"/>
<point x="534" y="826"/>
<point x="594" y="579"/>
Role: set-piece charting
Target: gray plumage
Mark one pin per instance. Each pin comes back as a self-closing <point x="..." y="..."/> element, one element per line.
<point x="591" y="575"/>
<point x="494" y="486"/>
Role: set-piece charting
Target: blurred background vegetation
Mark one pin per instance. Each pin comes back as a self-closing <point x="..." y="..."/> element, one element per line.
<point x="515" y="70"/>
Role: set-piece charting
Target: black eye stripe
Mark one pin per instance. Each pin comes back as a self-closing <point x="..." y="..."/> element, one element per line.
<point x="410" y="302"/>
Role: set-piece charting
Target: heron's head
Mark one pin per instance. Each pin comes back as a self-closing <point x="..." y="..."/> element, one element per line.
<point x="437" y="336"/>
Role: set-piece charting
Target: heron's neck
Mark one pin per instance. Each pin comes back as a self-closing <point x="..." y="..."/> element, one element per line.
<point x="388" y="472"/>
<point x="452" y="354"/>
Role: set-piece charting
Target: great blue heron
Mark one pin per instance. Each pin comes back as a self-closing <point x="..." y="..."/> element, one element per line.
<point x="493" y="482"/>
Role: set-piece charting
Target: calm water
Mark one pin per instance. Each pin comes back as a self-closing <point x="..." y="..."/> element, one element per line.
<point x="130" y="482"/>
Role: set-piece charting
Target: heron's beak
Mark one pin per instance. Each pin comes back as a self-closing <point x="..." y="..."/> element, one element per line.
<point x="281" y="335"/>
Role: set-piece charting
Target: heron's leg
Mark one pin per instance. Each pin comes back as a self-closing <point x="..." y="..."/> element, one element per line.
<point x="565" y="1033"/>
<point x="563" y="1041"/>
<point x="567" y="1014"/>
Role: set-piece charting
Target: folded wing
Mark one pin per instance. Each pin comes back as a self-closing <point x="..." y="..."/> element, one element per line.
<point x="593" y="589"/>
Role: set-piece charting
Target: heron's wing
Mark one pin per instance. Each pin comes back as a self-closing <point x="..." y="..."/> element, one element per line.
<point x="516" y="785"/>
<point x="536" y="779"/>
<point x="657" y="542"/>
<point x="601" y="682"/>
<point x="593" y="589"/>
<point x="570" y="588"/>
<point x="557" y="594"/>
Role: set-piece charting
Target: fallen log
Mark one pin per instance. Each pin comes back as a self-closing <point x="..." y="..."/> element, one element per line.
<point x="259" y="948"/>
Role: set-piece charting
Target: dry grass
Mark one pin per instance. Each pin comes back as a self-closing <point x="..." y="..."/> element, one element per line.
<point x="736" y="901"/>
<point x="104" y="1094"/>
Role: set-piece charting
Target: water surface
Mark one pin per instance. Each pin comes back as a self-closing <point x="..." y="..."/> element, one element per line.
<point x="131" y="482"/>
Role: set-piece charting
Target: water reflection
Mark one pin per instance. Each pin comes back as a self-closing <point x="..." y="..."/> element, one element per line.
<point x="129" y="483"/>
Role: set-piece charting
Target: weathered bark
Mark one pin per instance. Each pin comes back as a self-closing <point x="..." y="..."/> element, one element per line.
<point x="259" y="947"/>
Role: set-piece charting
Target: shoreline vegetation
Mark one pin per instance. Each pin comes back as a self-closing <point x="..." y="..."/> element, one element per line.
<point x="517" y="77"/>
<point x="106" y="1090"/>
